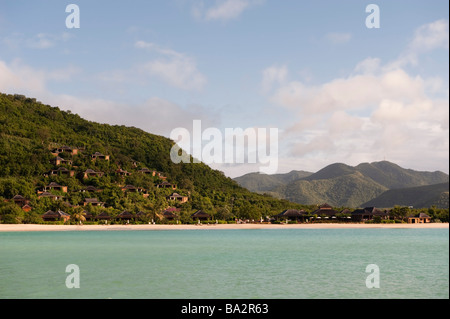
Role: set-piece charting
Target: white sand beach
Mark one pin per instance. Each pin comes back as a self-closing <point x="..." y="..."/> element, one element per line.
<point x="39" y="227"/>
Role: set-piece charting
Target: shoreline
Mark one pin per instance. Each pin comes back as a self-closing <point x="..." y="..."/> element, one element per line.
<point x="41" y="227"/>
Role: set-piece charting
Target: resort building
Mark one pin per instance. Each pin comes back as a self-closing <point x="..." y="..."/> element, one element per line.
<point x="49" y="195"/>
<point x="66" y="149"/>
<point x="147" y="171"/>
<point x="122" y="172"/>
<point x="368" y="213"/>
<point x="56" y="187"/>
<point x="422" y="218"/>
<point x="61" y="161"/>
<point x="91" y="173"/>
<point x="200" y="215"/>
<point x="98" y="155"/>
<point x="62" y="171"/>
<point x="166" y="185"/>
<point x="55" y="216"/>
<point x="93" y="202"/>
<point x="177" y="197"/>
<point x="291" y="214"/>
<point x="325" y="211"/>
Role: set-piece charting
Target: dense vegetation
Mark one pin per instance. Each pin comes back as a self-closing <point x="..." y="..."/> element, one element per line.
<point x="30" y="130"/>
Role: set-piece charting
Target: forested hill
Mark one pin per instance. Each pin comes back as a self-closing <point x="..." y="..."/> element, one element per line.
<point x="30" y="131"/>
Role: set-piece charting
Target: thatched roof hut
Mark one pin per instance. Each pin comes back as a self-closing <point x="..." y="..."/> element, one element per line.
<point x="55" y="216"/>
<point x="200" y="215"/>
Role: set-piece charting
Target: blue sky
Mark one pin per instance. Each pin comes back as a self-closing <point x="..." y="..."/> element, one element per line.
<point x="336" y="90"/>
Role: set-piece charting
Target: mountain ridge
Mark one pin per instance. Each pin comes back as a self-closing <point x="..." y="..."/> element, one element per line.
<point x="340" y="184"/>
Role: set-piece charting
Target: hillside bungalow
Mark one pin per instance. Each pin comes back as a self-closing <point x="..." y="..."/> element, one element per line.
<point x="91" y="173"/>
<point x="90" y="189"/>
<point x="147" y="171"/>
<point x="93" y="202"/>
<point x="368" y="213"/>
<point x="61" y="161"/>
<point x="100" y="156"/>
<point x="49" y="195"/>
<point x="66" y="149"/>
<point x="161" y="176"/>
<point x="291" y="214"/>
<point x="26" y="208"/>
<point x="55" y="216"/>
<point x="177" y="197"/>
<point x="20" y="200"/>
<point x="325" y="211"/>
<point x="122" y="172"/>
<point x="200" y="215"/>
<point x="62" y="171"/>
<point x="422" y="218"/>
<point x="56" y="187"/>
<point x="171" y="213"/>
<point x="166" y="185"/>
<point x="132" y="189"/>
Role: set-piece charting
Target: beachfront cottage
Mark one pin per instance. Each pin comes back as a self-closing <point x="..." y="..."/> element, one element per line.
<point x="368" y="213"/>
<point x="325" y="211"/>
<point x="200" y="215"/>
<point x="103" y="216"/>
<point x="291" y="214"/>
<point x="55" y="216"/>
<point x="125" y="215"/>
<point x="177" y="197"/>
<point x="422" y="218"/>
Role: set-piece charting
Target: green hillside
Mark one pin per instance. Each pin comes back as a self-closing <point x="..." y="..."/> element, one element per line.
<point x="30" y="131"/>
<point x="349" y="190"/>
<point x="419" y="197"/>
<point x="257" y="182"/>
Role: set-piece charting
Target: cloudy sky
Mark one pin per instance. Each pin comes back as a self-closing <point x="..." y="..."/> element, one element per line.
<point x="336" y="90"/>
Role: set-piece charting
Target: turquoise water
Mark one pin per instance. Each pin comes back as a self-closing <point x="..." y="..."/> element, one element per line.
<point x="197" y="264"/>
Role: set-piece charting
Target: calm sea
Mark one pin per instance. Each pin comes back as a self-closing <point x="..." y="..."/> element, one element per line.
<point x="268" y="264"/>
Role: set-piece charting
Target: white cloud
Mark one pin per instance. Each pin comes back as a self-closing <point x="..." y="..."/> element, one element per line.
<point x="273" y="75"/>
<point x="378" y="111"/>
<point x="155" y="115"/>
<point x="428" y="37"/>
<point x="223" y="10"/>
<point x="174" y="68"/>
<point x="338" y="37"/>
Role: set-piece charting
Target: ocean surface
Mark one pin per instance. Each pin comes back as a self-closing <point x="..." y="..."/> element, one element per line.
<point x="232" y="264"/>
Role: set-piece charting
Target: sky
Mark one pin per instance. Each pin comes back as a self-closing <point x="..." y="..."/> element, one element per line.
<point x="335" y="89"/>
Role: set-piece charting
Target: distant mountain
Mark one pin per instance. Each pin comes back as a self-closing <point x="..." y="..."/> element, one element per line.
<point x="418" y="197"/>
<point x="339" y="184"/>
<point x="257" y="182"/>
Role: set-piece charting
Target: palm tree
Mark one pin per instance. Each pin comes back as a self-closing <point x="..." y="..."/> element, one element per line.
<point x="79" y="214"/>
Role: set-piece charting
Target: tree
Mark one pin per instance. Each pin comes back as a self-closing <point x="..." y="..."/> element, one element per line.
<point x="79" y="214"/>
